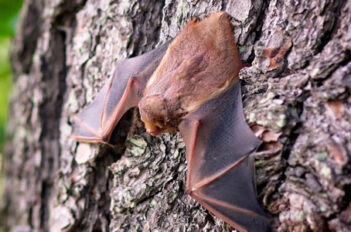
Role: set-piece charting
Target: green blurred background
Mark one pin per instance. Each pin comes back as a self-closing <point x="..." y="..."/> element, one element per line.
<point x="9" y="10"/>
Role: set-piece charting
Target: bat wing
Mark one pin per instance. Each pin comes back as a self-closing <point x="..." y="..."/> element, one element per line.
<point x="96" y="122"/>
<point x="220" y="171"/>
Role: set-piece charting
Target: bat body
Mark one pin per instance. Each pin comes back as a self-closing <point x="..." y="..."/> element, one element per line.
<point x="190" y="84"/>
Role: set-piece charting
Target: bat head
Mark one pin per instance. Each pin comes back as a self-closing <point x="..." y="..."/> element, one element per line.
<point x="155" y="114"/>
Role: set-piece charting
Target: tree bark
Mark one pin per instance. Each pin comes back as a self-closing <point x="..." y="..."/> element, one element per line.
<point x="296" y="96"/>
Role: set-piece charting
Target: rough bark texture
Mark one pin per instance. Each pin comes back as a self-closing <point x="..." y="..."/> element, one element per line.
<point x="296" y="97"/>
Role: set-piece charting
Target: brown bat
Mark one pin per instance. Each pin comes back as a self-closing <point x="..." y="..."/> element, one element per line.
<point x="190" y="84"/>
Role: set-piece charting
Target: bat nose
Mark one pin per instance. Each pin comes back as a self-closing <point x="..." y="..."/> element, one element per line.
<point x="153" y="132"/>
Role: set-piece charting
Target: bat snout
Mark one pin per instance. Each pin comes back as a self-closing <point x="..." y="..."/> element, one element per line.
<point x="153" y="132"/>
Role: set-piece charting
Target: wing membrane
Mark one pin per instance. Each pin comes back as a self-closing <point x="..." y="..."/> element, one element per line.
<point x="96" y="122"/>
<point x="220" y="177"/>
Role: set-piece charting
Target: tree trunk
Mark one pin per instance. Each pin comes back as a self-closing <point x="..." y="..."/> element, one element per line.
<point x="296" y="98"/>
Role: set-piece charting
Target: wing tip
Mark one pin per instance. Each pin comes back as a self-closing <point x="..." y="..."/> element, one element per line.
<point x="88" y="134"/>
<point x="263" y="223"/>
<point x="87" y="139"/>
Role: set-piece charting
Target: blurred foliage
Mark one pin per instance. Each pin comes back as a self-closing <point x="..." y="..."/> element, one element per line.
<point x="5" y="86"/>
<point x="9" y="10"/>
<point x="8" y="18"/>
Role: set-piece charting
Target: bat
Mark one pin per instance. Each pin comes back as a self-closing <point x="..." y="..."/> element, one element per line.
<point x="190" y="85"/>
